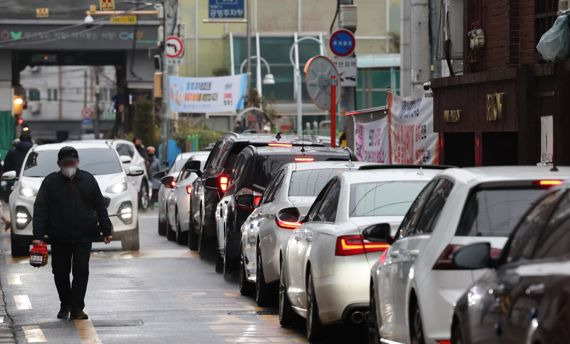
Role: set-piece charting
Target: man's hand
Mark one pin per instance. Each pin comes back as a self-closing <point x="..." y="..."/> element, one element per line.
<point x="108" y="239"/>
<point x="38" y="242"/>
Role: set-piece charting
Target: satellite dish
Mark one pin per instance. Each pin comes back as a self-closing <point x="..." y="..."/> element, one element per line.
<point x="318" y="77"/>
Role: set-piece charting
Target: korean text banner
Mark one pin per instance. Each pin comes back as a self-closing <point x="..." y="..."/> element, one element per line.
<point x="206" y="95"/>
<point x="412" y="140"/>
<point x="226" y="9"/>
<point x="371" y="141"/>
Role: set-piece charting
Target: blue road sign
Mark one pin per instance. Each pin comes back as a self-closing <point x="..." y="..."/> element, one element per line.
<point x="342" y="43"/>
<point x="226" y="9"/>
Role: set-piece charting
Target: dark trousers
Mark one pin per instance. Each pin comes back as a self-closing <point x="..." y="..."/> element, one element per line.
<point x="70" y="257"/>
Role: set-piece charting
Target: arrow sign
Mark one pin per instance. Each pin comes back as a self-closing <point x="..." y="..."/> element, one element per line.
<point x="174" y="47"/>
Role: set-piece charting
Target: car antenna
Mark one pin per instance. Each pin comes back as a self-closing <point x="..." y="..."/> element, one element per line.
<point x="421" y="171"/>
<point x="278" y="136"/>
<point x="349" y="163"/>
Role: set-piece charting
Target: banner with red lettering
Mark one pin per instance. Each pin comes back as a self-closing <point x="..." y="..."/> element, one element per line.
<point x="371" y="141"/>
<point x="412" y="139"/>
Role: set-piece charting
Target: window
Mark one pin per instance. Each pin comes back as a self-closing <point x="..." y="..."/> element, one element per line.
<point x="125" y="149"/>
<point x="213" y="155"/>
<point x="309" y="182"/>
<point x="495" y="212"/>
<point x="410" y="221"/>
<point x="545" y="15"/>
<point x="526" y="234"/>
<point x="240" y="170"/>
<point x="34" y="94"/>
<point x="273" y="188"/>
<point x="555" y="242"/>
<point x="434" y="206"/>
<point x="93" y="160"/>
<point x="385" y="198"/>
<point x="312" y="214"/>
<point x="52" y="94"/>
<point x="327" y="209"/>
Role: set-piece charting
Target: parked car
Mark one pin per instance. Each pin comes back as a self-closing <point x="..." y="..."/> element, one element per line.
<point x="253" y="170"/>
<point x="165" y="191"/>
<point x="415" y="284"/>
<point x="97" y="158"/>
<point x="211" y="186"/>
<point x="326" y="267"/>
<point x="265" y="233"/>
<point x="178" y="200"/>
<point x="523" y="297"/>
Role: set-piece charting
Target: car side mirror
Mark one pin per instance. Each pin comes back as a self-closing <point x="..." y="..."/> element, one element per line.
<point x="245" y="201"/>
<point x="473" y="257"/>
<point x="381" y="232"/>
<point x="160" y="174"/>
<point x="288" y="218"/>
<point x="125" y="159"/>
<point x="168" y="182"/>
<point x="135" y="171"/>
<point x="9" y="176"/>
<point x="192" y="165"/>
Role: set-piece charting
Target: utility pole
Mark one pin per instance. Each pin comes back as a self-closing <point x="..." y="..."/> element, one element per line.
<point x="96" y="128"/>
<point x="248" y="35"/>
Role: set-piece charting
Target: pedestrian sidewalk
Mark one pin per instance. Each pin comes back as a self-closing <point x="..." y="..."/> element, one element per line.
<point x="6" y="330"/>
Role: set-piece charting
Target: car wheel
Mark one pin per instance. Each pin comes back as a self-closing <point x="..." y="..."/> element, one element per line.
<point x="245" y="286"/>
<point x="373" y="333"/>
<point x="263" y="292"/>
<point x="202" y="242"/>
<point x="192" y="235"/>
<point x="170" y="234"/>
<point x="229" y="265"/>
<point x="181" y="237"/>
<point x="313" y="323"/>
<point x="132" y="241"/>
<point x="456" y="334"/>
<point x="143" y="196"/>
<point x="162" y="227"/>
<point x="416" y="326"/>
<point x="286" y="313"/>
<point x="19" y="249"/>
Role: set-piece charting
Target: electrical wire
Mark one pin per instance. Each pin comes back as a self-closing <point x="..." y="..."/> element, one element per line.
<point x="335" y="15"/>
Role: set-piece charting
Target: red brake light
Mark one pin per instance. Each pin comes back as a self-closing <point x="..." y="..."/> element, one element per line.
<point x="223" y="180"/>
<point x="443" y="341"/>
<point x="280" y="144"/>
<point x="349" y="245"/>
<point x="548" y="182"/>
<point x="304" y="159"/>
<point x="287" y="224"/>
<point x="172" y="184"/>
<point x="189" y="189"/>
<point x="256" y="199"/>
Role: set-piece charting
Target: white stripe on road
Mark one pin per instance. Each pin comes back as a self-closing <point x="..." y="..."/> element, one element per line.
<point x="14" y="279"/>
<point x="22" y="302"/>
<point x="87" y="333"/>
<point x="34" y="334"/>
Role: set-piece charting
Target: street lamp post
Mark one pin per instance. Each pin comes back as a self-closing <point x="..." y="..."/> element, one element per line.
<point x="269" y="79"/>
<point x="298" y="81"/>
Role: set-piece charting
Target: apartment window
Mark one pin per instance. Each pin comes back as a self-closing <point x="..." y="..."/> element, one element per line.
<point x="34" y="94"/>
<point x="52" y="94"/>
<point x="545" y="15"/>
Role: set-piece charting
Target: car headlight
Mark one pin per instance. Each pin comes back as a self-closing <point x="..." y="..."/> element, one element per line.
<point x="27" y="191"/>
<point x="118" y="188"/>
<point x="125" y="213"/>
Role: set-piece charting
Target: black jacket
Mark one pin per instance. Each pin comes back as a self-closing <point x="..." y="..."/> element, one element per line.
<point x="70" y="209"/>
<point x="15" y="157"/>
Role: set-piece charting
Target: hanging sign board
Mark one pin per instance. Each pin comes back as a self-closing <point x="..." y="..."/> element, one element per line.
<point x="347" y="70"/>
<point x="226" y="9"/>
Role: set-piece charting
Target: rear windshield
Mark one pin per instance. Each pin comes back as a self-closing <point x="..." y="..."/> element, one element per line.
<point x="392" y="198"/>
<point x="93" y="160"/>
<point x="309" y="182"/>
<point x="495" y="212"/>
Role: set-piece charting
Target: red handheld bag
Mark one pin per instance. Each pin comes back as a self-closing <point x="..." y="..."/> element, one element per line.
<point x="39" y="255"/>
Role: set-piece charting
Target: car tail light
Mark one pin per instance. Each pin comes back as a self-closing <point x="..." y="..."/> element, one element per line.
<point x="383" y="256"/>
<point x="445" y="260"/>
<point x="443" y="341"/>
<point x="256" y="198"/>
<point x="548" y="182"/>
<point x="287" y="224"/>
<point x="349" y="245"/>
<point x="189" y="189"/>
<point x="304" y="159"/>
<point x="280" y="144"/>
<point x="172" y="184"/>
<point x="223" y="181"/>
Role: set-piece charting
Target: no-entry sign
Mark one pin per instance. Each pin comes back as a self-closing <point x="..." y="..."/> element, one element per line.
<point x="342" y="43"/>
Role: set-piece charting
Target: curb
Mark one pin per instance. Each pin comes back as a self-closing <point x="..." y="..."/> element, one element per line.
<point x="6" y="331"/>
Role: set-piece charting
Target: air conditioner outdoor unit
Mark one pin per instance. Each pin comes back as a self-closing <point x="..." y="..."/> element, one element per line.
<point x="348" y="18"/>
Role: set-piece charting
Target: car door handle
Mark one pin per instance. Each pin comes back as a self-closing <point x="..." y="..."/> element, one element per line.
<point x="413" y="253"/>
<point x="395" y="254"/>
<point x="298" y="236"/>
<point x="309" y="236"/>
<point x="535" y="289"/>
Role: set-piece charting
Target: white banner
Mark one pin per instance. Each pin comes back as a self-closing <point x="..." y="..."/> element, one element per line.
<point x="371" y="141"/>
<point x="413" y="140"/>
<point x="201" y="95"/>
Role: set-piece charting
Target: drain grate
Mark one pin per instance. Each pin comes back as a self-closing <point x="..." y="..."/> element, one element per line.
<point x="254" y="313"/>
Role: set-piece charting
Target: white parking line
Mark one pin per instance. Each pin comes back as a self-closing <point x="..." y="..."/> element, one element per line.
<point x="14" y="279"/>
<point x="34" y="334"/>
<point x="87" y="333"/>
<point x="22" y="302"/>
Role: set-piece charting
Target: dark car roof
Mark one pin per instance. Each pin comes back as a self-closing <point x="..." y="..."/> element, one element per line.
<point x="301" y="150"/>
<point x="256" y="138"/>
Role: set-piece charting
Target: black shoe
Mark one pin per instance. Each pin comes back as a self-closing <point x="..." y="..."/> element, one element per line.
<point x="78" y="315"/>
<point x="63" y="313"/>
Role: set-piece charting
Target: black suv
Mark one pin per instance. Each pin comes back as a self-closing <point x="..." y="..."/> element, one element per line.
<point x="252" y="172"/>
<point x="213" y="182"/>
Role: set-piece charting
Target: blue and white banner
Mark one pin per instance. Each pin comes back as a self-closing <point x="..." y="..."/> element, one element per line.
<point x="206" y="95"/>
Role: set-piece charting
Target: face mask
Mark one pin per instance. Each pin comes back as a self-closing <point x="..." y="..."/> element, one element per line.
<point x="69" y="171"/>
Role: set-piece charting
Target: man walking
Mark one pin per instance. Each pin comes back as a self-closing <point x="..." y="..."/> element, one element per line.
<point x="71" y="211"/>
<point x="15" y="157"/>
<point x="153" y="168"/>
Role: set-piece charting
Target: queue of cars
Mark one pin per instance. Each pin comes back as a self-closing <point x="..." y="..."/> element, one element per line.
<point x="417" y="254"/>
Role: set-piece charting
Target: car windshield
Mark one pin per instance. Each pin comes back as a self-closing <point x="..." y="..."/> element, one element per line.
<point x="177" y="166"/>
<point x="383" y="198"/>
<point x="309" y="182"/>
<point x="93" y="160"/>
<point x="495" y="212"/>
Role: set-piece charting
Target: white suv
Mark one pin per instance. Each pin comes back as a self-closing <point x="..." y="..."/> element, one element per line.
<point x="97" y="158"/>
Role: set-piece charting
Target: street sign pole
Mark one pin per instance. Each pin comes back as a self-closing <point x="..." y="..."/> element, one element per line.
<point x="334" y="82"/>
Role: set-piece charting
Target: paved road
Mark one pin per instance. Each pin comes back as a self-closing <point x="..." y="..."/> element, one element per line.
<point x="162" y="294"/>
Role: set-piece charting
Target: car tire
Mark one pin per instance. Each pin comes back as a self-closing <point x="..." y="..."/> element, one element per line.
<point x="228" y="267"/>
<point x="286" y="313"/>
<point x="457" y="334"/>
<point x="219" y="264"/>
<point x="202" y="240"/>
<point x="170" y="234"/>
<point x="192" y="236"/>
<point x="19" y="249"/>
<point x="181" y="237"/>
<point x="132" y="241"/>
<point x="246" y="288"/>
<point x="313" y="322"/>
<point x="144" y="200"/>
<point x="263" y="291"/>
<point x="416" y="325"/>
<point x="162" y="227"/>
<point x="373" y="331"/>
